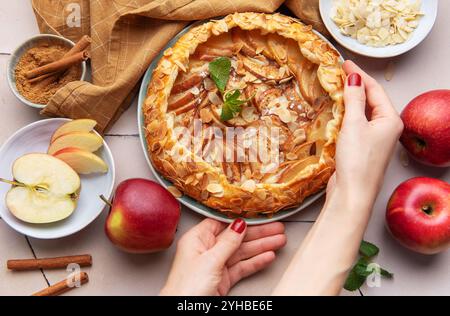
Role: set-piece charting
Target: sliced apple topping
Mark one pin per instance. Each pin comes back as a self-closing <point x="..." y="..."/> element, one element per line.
<point x="317" y="129"/>
<point x="188" y="83"/>
<point x="45" y="189"/>
<point x="264" y="70"/>
<point x="241" y="41"/>
<point x="83" y="140"/>
<point x="294" y="169"/>
<point x="80" y="125"/>
<point x="82" y="161"/>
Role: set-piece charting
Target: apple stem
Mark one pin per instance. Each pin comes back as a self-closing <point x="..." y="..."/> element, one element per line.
<point x="105" y="200"/>
<point x="427" y="209"/>
<point x="12" y="182"/>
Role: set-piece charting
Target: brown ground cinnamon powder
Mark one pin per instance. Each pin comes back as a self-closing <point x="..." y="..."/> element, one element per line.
<point x="37" y="56"/>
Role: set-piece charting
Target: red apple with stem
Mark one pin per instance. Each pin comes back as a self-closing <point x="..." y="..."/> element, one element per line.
<point x="426" y="135"/>
<point x="418" y="215"/>
<point x="143" y="217"/>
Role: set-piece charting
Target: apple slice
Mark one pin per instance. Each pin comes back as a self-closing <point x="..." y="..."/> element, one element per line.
<point x="82" y="161"/>
<point x="45" y="189"/>
<point x="81" y="125"/>
<point x="86" y="141"/>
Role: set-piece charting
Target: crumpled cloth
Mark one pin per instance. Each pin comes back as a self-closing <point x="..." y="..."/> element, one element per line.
<point x="126" y="36"/>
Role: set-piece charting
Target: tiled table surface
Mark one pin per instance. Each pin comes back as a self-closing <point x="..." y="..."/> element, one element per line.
<point x="426" y="67"/>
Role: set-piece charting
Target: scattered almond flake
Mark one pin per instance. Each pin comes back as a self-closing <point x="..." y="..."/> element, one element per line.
<point x="209" y="84"/>
<point x="389" y="71"/>
<point x="195" y="90"/>
<point x="214" y="98"/>
<point x="168" y="52"/>
<point x="404" y="158"/>
<point x="310" y="114"/>
<point x="291" y="156"/>
<point x="261" y="194"/>
<point x="205" y="115"/>
<point x="377" y="23"/>
<point x="300" y="132"/>
<point x="299" y="136"/>
<point x="285" y="79"/>
<point x="159" y="84"/>
<point x="214" y="188"/>
<point x="174" y="190"/>
<point x="180" y="65"/>
<point x="249" y="186"/>
<point x="284" y="115"/>
<point x="259" y="49"/>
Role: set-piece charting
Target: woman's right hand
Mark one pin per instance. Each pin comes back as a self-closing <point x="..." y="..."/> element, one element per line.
<point x="368" y="135"/>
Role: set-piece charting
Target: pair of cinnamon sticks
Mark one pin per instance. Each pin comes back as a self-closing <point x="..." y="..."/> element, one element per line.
<point x="53" y="263"/>
<point x="49" y="73"/>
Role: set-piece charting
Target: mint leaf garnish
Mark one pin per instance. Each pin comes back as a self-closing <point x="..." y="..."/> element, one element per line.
<point x="386" y="273"/>
<point x="360" y="271"/>
<point x="232" y="105"/>
<point x="354" y="281"/>
<point x="368" y="249"/>
<point x="219" y="71"/>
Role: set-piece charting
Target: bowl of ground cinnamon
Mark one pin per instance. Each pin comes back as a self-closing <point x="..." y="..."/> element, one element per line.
<point x="44" y="64"/>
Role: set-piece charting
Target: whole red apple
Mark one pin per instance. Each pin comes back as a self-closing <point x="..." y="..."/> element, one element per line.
<point x="418" y="215"/>
<point x="143" y="217"/>
<point x="427" y="128"/>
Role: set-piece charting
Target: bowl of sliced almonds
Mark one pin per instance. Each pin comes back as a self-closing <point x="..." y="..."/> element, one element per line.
<point x="379" y="28"/>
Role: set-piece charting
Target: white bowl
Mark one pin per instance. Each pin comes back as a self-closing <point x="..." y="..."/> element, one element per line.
<point x="35" y="137"/>
<point x="429" y="8"/>
<point x="19" y="51"/>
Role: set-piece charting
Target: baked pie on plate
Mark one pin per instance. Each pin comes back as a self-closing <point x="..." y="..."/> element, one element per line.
<point x="241" y="115"/>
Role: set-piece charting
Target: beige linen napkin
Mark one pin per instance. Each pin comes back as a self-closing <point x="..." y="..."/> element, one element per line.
<point x="126" y="36"/>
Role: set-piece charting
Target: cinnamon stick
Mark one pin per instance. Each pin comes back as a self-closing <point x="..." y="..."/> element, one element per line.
<point x="62" y="64"/>
<point x="79" y="46"/>
<point x="49" y="263"/>
<point x="62" y="286"/>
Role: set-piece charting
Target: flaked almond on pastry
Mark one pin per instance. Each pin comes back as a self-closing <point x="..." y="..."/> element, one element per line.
<point x="242" y="113"/>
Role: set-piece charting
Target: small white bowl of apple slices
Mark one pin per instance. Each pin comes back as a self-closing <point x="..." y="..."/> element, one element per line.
<point x="54" y="171"/>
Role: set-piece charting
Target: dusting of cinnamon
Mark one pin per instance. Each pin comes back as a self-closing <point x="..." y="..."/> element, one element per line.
<point x="41" y="91"/>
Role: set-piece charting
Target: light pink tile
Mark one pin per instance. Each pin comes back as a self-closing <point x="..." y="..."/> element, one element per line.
<point x="127" y="123"/>
<point x="14" y="113"/>
<point x="18" y="24"/>
<point x="14" y="246"/>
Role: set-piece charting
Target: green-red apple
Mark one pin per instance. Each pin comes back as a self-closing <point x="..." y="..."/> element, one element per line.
<point x="143" y="217"/>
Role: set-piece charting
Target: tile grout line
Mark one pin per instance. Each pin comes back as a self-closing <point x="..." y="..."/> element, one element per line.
<point x="34" y="255"/>
<point x="121" y="135"/>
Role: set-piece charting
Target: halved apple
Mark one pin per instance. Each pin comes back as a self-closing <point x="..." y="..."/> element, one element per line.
<point x="80" y="125"/>
<point x="83" y="140"/>
<point x="82" y="161"/>
<point x="45" y="189"/>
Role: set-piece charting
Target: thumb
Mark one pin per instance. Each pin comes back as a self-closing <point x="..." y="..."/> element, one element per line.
<point x="354" y="97"/>
<point x="229" y="241"/>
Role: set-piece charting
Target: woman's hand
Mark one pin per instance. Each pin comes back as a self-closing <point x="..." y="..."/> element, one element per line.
<point x="211" y="257"/>
<point x="369" y="132"/>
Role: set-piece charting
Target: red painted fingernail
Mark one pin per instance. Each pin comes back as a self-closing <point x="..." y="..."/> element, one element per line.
<point x="238" y="225"/>
<point x="354" y="79"/>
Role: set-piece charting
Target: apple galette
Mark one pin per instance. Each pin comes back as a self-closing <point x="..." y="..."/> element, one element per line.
<point x="242" y="113"/>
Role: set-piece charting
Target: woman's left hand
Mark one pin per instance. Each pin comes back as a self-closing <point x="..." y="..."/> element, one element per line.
<point x="211" y="258"/>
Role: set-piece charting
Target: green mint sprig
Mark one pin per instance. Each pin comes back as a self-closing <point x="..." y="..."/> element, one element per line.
<point x="361" y="270"/>
<point x="219" y="71"/>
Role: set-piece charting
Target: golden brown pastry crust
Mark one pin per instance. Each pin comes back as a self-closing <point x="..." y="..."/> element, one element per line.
<point x="195" y="178"/>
